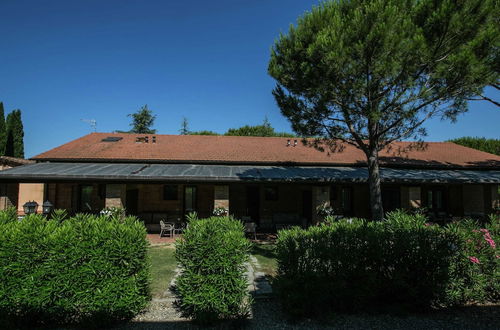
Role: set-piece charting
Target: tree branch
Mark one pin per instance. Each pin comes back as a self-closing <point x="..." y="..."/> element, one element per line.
<point x="484" y="98"/>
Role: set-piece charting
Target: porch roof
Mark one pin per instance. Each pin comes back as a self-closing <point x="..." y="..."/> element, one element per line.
<point x="41" y="172"/>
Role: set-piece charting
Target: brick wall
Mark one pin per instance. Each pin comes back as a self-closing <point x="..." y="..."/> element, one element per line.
<point x="151" y="199"/>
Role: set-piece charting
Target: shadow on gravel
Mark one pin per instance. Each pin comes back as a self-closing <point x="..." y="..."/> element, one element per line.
<point x="267" y="315"/>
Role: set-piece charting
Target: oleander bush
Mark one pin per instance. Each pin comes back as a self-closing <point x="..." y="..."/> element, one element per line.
<point x="8" y="215"/>
<point x="477" y="271"/>
<point x="212" y="284"/>
<point x="401" y="263"/>
<point x="86" y="269"/>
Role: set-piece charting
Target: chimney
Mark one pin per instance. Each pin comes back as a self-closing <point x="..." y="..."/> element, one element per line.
<point x="295" y="143"/>
<point x="288" y="143"/>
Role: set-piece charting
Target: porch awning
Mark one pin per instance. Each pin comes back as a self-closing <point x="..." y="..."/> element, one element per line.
<point x="42" y="172"/>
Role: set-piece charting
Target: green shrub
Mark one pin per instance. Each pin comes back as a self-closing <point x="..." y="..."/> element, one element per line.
<point x="59" y="215"/>
<point x="357" y="265"/>
<point x="212" y="255"/>
<point x="84" y="269"/>
<point x="8" y="215"/>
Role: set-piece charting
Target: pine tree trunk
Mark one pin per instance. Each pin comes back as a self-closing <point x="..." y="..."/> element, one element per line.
<point x="376" y="207"/>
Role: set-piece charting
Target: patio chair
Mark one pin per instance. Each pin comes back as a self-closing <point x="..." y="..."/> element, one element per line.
<point x="251" y="227"/>
<point x="179" y="228"/>
<point x="246" y="218"/>
<point x="166" y="227"/>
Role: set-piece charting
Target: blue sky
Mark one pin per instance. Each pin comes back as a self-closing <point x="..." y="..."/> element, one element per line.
<point x="63" y="61"/>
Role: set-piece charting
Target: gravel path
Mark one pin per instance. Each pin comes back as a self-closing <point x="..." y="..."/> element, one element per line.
<point x="266" y="314"/>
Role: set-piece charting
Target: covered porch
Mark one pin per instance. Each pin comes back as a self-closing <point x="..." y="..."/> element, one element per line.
<point x="270" y="196"/>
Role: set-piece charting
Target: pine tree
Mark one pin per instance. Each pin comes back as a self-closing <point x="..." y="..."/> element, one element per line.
<point x="184" y="127"/>
<point x="142" y="121"/>
<point x="367" y="73"/>
<point x="14" y="146"/>
<point x="3" y="130"/>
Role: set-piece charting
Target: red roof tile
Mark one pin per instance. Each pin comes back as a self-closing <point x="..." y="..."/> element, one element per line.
<point x="265" y="150"/>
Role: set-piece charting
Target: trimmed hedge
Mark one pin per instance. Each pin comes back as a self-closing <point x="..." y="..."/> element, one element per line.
<point x="358" y="265"/>
<point x="80" y="269"/>
<point x="212" y="255"/>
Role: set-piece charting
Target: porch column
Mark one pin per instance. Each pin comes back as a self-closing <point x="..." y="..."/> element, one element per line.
<point x="221" y="197"/>
<point x="9" y="192"/>
<point x="321" y="198"/>
<point x="495" y="196"/>
<point x="30" y="192"/>
<point x="116" y="195"/>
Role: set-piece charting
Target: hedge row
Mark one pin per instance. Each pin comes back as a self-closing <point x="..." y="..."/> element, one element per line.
<point x="212" y="284"/>
<point x="402" y="262"/>
<point x="81" y="269"/>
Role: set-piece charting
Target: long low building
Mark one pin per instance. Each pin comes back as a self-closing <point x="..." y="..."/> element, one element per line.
<point x="268" y="180"/>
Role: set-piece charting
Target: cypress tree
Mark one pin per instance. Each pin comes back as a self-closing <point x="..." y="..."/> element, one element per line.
<point x="15" y="135"/>
<point x="3" y="130"/>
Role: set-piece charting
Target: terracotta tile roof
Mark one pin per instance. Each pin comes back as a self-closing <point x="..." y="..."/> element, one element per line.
<point x="258" y="150"/>
<point x="14" y="161"/>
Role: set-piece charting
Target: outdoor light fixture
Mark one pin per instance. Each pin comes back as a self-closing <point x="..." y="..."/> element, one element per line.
<point x="47" y="208"/>
<point x="30" y="207"/>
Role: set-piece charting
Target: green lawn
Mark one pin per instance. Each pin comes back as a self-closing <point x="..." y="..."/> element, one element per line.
<point x="163" y="266"/>
<point x="266" y="256"/>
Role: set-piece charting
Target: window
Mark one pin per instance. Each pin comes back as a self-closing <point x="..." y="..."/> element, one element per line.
<point x="170" y="192"/>
<point x="271" y="193"/>
<point x="333" y="195"/>
<point x="347" y="200"/>
<point x="86" y="198"/>
<point x="435" y="199"/>
<point x="190" y="199"/>
<point x="391" y="198"/>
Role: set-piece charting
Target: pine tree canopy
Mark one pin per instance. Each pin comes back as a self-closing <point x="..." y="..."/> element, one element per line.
<point x="142" y="121"/>
<point x="376" y="70"/>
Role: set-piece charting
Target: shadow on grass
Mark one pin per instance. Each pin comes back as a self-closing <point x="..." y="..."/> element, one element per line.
<point x="264" y="250"/>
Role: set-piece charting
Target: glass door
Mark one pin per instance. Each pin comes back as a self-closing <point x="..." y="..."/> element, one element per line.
<point x="189" y="199"/>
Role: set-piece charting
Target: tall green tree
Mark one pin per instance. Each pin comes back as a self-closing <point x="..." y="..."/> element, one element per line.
<point x="3" y="130"/>
<point x="480" y="143"/>
<point x="367" y="73"/>
<point x="142" y="121"/>
<point x="14" y="145"/>
<point x="258" y="130"/>
<point x="184" y="127"/>
<point x="204" y="132"/>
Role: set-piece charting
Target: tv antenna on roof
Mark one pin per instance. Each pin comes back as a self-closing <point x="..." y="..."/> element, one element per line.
<point x="91" y="122"/>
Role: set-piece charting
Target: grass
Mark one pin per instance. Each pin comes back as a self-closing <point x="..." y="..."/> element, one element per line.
<point x="163" y="266"/>
<point x="266" y="256"/>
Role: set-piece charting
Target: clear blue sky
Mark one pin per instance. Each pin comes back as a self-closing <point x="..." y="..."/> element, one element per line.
<point x="62" y="61"/>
